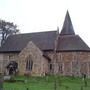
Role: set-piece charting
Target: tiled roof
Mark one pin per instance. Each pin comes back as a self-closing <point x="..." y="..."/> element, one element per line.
<point x="44" y="40"/>
<point x="71" y="43"/>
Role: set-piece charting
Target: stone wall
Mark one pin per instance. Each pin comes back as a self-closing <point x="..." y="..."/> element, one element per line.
<point x="1" y="63"/>
<point x="39" y="62"/>
<point x="71" y="63"/>
<point x="5" y="59"/>
<point x="63" y="63"/>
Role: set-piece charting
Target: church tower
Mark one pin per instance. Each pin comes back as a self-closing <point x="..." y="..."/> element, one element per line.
<point x="68" y="40"/>
<point x="72" y="51"/>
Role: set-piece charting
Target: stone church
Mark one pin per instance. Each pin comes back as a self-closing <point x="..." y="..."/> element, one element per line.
<point x="50" y="52"/>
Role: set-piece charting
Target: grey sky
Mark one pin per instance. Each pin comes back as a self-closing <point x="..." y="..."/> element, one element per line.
<point x="43" y="15"/>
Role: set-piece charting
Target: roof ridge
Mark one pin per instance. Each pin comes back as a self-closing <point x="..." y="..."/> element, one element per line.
<point x="35" y="32"/>
<point x="44" y="41"/>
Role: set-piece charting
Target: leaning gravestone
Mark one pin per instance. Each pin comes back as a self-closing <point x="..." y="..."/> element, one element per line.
<point x="1" y="82"/>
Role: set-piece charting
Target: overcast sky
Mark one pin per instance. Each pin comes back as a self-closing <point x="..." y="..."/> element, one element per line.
<point x="44" y="15"/>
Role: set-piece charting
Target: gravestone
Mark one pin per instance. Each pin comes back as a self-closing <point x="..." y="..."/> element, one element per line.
<point x="1" y="82"/>
<point x="7" y="77"/>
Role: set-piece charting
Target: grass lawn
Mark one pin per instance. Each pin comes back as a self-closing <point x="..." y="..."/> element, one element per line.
<point x="47" y="83"/>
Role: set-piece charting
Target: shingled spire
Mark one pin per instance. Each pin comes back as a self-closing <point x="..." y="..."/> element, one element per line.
<point x="67" y="26"/>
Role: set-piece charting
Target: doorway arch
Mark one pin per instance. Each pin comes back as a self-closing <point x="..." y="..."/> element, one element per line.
<point x="12" y="67"/>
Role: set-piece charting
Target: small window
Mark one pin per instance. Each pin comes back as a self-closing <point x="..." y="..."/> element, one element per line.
<point x="60" y="68"/>
<point x="50" y="66"/>
<point x="11" y="57"/>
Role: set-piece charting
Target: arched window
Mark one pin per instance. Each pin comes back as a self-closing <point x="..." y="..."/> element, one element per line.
<point x="29" y="64"/>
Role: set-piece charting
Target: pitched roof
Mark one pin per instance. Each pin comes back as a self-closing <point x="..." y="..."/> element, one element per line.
<point x="67" y="26"/>
<point x="44" y="40"/>
<point x="67" y="40"/>
<point x="71" y="43"/>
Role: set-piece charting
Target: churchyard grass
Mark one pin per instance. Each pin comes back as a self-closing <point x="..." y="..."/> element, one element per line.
<point x="47" y="83"/>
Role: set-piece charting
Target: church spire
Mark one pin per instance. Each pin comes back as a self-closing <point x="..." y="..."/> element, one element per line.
<point x="67" y="26"/>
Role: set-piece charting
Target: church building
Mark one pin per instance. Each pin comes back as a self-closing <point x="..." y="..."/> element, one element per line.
<point x="50" y="52"/>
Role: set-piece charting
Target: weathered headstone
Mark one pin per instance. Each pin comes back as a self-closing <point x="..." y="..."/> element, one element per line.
<point x="7" y="77"/>
<point x="1" y="82"/>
